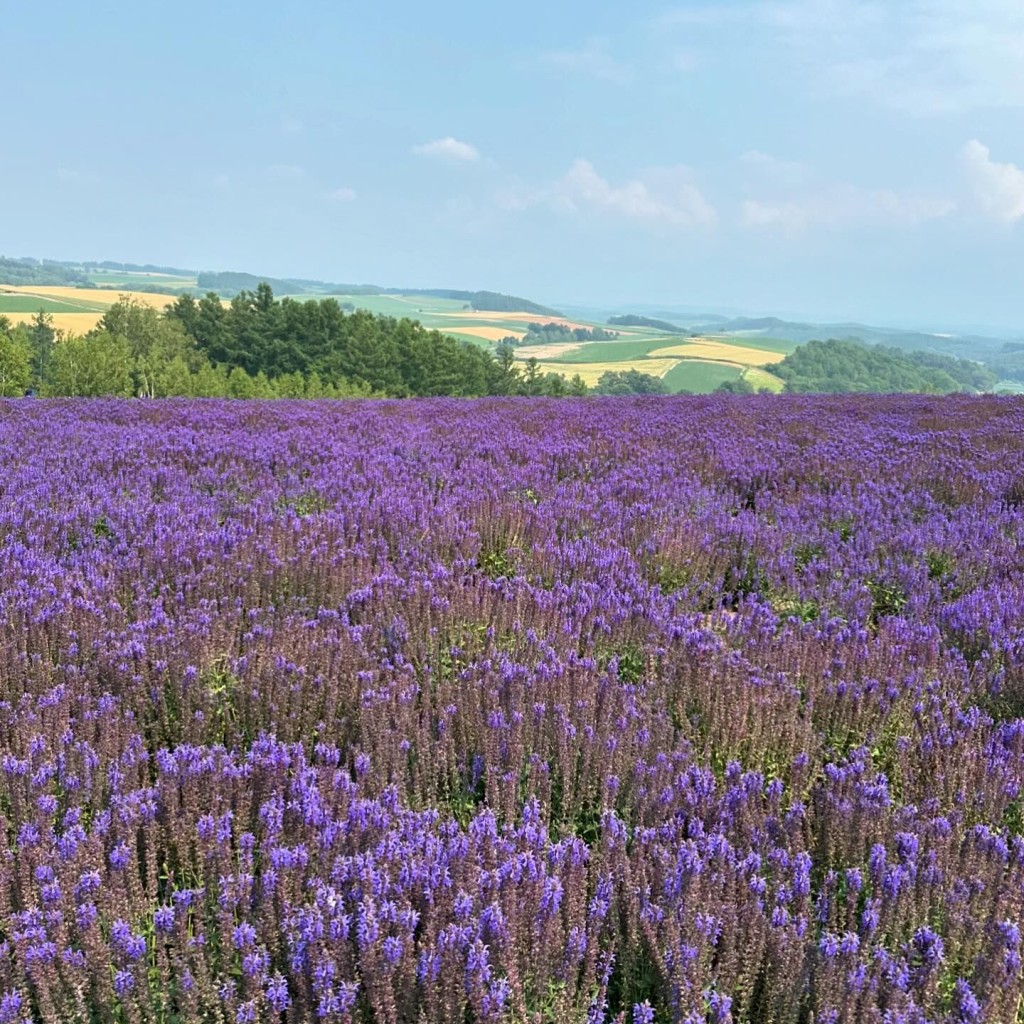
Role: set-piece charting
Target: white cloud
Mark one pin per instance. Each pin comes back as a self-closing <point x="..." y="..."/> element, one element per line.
<point x="998" y="188"/>
<point x="449" y="150"/>
<point x="663" y="197"/>
<point x="845" y="206"/>
<point x="343" y="195"/>
<point x="592" y="59"/>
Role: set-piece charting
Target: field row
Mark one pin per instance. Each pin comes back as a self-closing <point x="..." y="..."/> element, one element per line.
<point x="604" y="711"/>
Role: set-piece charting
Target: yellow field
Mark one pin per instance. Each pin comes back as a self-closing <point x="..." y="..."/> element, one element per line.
<point x="526" y="318"/>
<point x="90" y="296"/>
<point x="591" y="372"/>
<point x="68" y="323"/>
<point x="489" y="333"/>
<point x="556" y="348"/>
<point x="719" y="351"/>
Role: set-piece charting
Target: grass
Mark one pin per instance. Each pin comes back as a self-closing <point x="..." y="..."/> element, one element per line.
<point x="764" y="344"/>
<point x="481" y="335"/>
<point x="613" y="351"/>
<point x="700" y="377"/>
<point x="759" y="379"/>
<point x="416" y="307"/>
<point x="31" y="305"/>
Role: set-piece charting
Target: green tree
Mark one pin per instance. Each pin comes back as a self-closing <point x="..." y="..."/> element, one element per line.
<point x="98" y="364"/>
<point x="740" y="386"/>
<point x="240" y="384"/>
<point x="41" y="340"/>
<point x="578" y="386"/>
<point x="173" y="379"/>
<point x="15" y="364"/>
<point x="630" y="382"/>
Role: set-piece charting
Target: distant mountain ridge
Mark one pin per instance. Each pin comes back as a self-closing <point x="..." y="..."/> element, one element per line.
<point x="47" y="273"/>
<point x="964" y="346"/>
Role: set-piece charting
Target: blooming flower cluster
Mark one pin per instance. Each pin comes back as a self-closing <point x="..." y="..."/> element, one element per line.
<point x="632" y="711"/>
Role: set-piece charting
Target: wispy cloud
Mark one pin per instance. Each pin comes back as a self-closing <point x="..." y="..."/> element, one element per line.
<point x="998" y="187"/>
<point x="449" y="150"/>
<point x="775" y="170"/>
<point x="923" y="57"/>
<point x="593" y="59"/>
<point x="661" y="198"/>
<point x="842" y="206"/>
<point x="342" y="195"/>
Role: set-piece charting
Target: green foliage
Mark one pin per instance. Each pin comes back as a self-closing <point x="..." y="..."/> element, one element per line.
<point x="547" y="334"/>
<point x="848" y="366"/>
<point x="15" y="362"/>
<point x="96" y="365"/>
<point x="353" y="352"/>
<point x="1008" y="363"/>
<point x="887" y="599"/>
<point x="496" y="563"/>
<point x="699" y="376"/>
<point x="258" y="348"/>
<point x="630" y="382"/>
<point x="740" y="386"/>
<point x="40" y="272"/>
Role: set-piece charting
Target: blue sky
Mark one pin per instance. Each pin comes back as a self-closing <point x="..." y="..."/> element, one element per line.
<point x="825" y="158"/>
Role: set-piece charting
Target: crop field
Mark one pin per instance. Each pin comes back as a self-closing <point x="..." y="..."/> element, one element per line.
<point x="485" y="333"/>
<point x="127" y="278"/>
<point x="759" y="378"/>
<point x="699" y="377"/>
<point x="697" y="710"/>
<point x="591" y="372"/>
<point x="30" y="305"/>
<point x="416" y="307"/>
<point x="603" y="351"/>
<point x="722" y="351"/>
<point x="87" y="299"/>
<point x="697" y="365"/>
<point x="74" y="310"/>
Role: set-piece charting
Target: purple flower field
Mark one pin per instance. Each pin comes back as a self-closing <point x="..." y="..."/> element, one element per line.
<point x="674" y="710"/>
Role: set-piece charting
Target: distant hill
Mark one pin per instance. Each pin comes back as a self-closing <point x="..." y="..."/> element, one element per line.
<point x="963" y="346"/>
<point x="230" y="283"/>
<point x="632" y="320"/>
<point x="45" y="273"/>
<point x="840" y="367"/>
<point x="493" y="302"/>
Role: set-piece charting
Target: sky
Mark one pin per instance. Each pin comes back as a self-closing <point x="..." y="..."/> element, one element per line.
<point x="831" y="159"/>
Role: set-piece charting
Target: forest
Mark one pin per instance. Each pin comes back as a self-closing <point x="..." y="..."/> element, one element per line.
<point x="833" y="367"/>
<point x="555" y="333"/>
<point x="258" y="347"/>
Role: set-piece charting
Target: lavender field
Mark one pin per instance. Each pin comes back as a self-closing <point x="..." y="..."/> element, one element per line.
<point x="677" y="710"/>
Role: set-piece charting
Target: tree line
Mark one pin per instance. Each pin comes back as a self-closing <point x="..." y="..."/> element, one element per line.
<point x="258" y="347"/>
<point x="849" y="366"/>
<point x="555" y="333"/>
